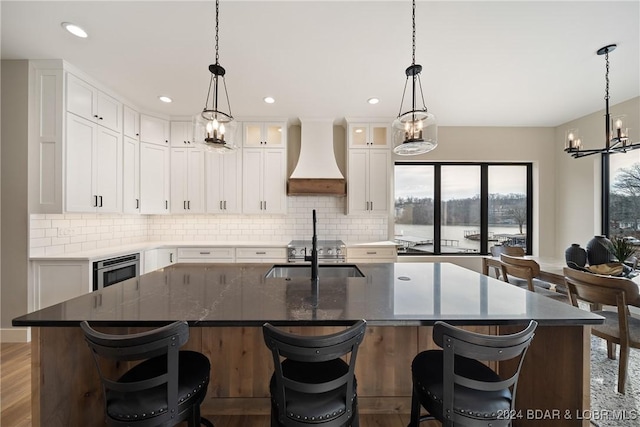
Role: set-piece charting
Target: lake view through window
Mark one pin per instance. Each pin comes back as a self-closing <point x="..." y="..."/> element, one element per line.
<point x="443" y="208"/>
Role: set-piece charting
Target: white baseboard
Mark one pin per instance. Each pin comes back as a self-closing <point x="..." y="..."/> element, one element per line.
<point x="15" y="334"/>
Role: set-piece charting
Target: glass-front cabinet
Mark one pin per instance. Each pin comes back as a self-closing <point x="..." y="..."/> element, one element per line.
<point x="369" y="135"/>
<point x="263" y="134"/>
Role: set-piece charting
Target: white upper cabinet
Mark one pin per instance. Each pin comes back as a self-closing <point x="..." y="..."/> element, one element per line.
<point x="187" y="180"/>
<point x="154" y="130"/>
<point x="369" y="135"/>
<point x="182" y="134"/>
<point x="264" y="181"/>
<point x="131" y="122"/>
<point x="86" y="101"/>
<point x="368" y="181"/>
<point x="224" y="177"/>
<point x="93" y="167"/>
<point x="131" y="175"/>
<point x="154" y="179"/>
<point x="267" y="135"/>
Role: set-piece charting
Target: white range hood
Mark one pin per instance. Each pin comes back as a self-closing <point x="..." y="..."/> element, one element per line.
<point x="316" y="172"/>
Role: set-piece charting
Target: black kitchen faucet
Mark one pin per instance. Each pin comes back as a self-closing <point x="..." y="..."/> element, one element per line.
<point x="314" y="252"/>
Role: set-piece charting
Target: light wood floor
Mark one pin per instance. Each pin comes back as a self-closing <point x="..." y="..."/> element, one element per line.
<point x="15" y="397"/>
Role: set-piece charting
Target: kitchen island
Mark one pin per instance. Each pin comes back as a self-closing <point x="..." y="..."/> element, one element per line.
<point x="226" y="305"/>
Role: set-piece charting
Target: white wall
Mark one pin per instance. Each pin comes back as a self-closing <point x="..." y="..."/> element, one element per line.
<point x="578" y="180"/>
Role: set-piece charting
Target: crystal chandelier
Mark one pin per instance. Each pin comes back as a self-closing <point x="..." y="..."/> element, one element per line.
<point x="616" y="141"/>
<point x="415" y="131"/>
<point x="214" y="123"/>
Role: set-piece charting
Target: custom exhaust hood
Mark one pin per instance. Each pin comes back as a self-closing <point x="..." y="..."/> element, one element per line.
<point x="316" y="173"/>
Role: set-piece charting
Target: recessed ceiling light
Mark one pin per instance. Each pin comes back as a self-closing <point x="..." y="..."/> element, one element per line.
<point x="165" y="99"/>
<point x="269" y="100"/>
<point x="373" y="101"/>
<point x="75" y="30"/>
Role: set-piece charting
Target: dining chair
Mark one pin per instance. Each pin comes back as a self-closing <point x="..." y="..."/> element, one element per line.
<point x="312" y="384"/>
<point x="497" y="250"/>
<point x="614" y="295"/>
<point x="457" y="388"/>
<point x="166" y="388"/>
<point x="524" y="273"/>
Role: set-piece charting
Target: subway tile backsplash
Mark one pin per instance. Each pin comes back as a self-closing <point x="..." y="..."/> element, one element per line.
<point x="55" y="234"/>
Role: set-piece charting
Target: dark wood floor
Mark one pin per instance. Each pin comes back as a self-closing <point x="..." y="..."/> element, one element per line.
<point x="15" y="397"/>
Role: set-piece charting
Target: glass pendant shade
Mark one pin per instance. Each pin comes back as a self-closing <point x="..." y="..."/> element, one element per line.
<point x="215" y="133"/>
<point x="415" y="132"/>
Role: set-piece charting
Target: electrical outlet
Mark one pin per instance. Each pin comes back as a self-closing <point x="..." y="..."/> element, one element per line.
<point x="68" y="231"/>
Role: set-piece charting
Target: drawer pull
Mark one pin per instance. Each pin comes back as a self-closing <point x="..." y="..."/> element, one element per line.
<point x="371" y="252"/>
<point x="261" y="253"/>
<point x="205" y="253"/>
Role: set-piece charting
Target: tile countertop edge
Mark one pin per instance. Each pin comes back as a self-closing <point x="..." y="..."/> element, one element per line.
<point x="114" y="251"/>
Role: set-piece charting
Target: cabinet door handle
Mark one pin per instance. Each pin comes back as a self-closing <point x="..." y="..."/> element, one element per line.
<point x="100" y="201"/>
<point x="220" y="204"/>
<point x="265" y="202"/>
<point x="260" y="200"/>
<point x="137" y="134"/>
<point x="100" y="118"/>
<point x="95" y="115"/>
<point x="170" y="257"/>
<point x="366" y="206"/>
<point x="189" y="204"/>
<point x="371" y="205"/>
<point x="184" y="204"/>
<point x="95" y="201"/>
<point x="166" y="204"/>
<point x="137" y="203"/>
<point x="225" y="205"/>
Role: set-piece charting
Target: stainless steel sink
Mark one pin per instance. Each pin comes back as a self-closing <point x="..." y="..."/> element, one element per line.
<point x="324" y="270"/>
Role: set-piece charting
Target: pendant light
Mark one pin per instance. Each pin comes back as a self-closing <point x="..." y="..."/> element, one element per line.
<point x="616" y="141"/>
<point x="415" y="131"/>
<point x="215" y="125"/>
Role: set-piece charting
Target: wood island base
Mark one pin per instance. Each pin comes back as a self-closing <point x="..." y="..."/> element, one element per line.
<point x="553" y="390"/>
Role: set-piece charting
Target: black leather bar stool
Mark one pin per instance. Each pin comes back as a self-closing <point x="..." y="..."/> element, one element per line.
<point x="456" y="388"/>
<point x="313" y="385"/>
<point x="166" y="388"/>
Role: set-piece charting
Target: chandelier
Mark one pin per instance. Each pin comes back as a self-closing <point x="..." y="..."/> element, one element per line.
<point x="616" y="141"/>
<point x="214" y="122"/>
<point x="415" y="131"/>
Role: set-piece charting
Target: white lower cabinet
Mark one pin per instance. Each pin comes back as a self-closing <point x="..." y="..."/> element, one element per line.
<point x="368" y="254"/>
<point x="261" y="254"/>
<point x="58" y="281"/>
<point x="155" y="259"/>
<point x="154" y="179"/>
<point x="206" y="255"/>
<point x="93" y="167"/>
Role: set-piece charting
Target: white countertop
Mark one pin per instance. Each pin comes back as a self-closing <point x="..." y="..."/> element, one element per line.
<point x="114" y="251"/>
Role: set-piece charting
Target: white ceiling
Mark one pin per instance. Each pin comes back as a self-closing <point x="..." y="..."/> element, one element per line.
<point x="501" y="63"/>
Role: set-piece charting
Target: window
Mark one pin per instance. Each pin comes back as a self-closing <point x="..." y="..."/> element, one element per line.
<point x="624" y="196"/>
<point x="446" y="208"/>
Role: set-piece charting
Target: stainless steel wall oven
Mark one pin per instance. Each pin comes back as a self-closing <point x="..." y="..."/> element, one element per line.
<point x="114" y="270"/>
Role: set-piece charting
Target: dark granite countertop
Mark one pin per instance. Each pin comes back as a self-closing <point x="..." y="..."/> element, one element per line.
<point x="397" y="294"/>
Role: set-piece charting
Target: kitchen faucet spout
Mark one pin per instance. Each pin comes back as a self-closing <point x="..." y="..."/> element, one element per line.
<point x="314" y="252"/>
